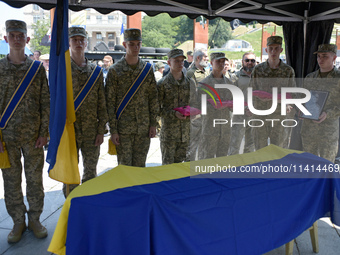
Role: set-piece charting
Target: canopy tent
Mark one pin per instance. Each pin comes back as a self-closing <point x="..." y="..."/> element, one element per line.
<point x="306" y="23"/>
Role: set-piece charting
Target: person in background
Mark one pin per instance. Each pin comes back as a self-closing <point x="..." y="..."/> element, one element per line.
<point x="197" y="71"/>
<point x="36" y="55"/>
<point x="239" y="131"/>
<point x="107" y="63"/>
<point x="45" y="59"/>
<point x="159" y="68"/>
<point x="189" y="59"/>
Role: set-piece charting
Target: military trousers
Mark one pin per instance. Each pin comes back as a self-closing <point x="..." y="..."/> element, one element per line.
<point x="90" y="154"/>
<point x="173" y="151"/>
<point x="133" y="149"/>
<point x="239" y="131"/>
<point x="33" y="166"/>
<point x="213" y="146"/>
<point x="320" y="140"/>
<point x="277" y="134"/>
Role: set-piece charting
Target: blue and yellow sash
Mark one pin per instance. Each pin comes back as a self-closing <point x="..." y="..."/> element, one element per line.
<point x="19" y="93"/>
<point x="84" y="92"/>
<point x="133" y="89"/>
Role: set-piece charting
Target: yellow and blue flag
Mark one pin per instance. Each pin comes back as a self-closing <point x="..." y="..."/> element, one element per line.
<point x="62" y="152"/>
<point x="168" y="210"/>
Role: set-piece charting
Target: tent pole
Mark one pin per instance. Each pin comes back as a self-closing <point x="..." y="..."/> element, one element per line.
<point x="305" y="22"/>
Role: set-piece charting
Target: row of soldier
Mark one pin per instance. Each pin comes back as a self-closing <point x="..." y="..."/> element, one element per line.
<point x="130" y="102"/>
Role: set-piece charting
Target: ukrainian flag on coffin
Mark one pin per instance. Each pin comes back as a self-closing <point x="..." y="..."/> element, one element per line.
<point x="162" y="210"/>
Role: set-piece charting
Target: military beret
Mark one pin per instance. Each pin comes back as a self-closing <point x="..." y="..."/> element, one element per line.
<point x="217" y="55"/>
<point x="132" y="34"/>
<point x="326" y="48"/>
<point x="16" y="25"/>
<point x="76" y="31"/>
<point x="176" y="53"/>
<point x="274" y="40"/>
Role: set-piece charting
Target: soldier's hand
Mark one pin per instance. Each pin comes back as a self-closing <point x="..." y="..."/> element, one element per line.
<point x="322" y="117"/>
<point x="152" y="132"/>
<point x="99" y="140"/>
<point x="115" y="139"/>
<point x="1" y="148"/>
<point x="180" y="115"/>
<point x="289" y="108"/>
<point x="41" y="142"/>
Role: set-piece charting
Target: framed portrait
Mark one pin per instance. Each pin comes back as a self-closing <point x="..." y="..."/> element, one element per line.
<point x="315" y="104"/>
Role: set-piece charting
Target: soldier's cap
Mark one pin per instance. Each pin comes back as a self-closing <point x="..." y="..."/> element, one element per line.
<point x="274" y="40"/>
<point x="176" y="53"/>
<point x="190" y="53"/>
<point x="76" y="31"/>
<point x="107" y="58"/>
<point x="45" y="57"/>
<point x="16" y="25"/>
<point x="217" y="55"/>
<point x="132" y="34"/>
<point x="326" y="48"/>
<point x="159" y="65"/>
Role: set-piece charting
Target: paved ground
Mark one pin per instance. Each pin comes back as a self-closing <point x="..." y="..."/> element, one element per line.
<point x="329" y="235"/>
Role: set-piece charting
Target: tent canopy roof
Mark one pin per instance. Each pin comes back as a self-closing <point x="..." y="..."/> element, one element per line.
<point x="246" y="10"/>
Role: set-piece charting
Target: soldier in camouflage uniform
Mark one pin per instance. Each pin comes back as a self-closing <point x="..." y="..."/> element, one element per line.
<point x="91" y="117"/>
<point x="197" y="72"/>
<point x="137" y="124"/>
<point x="25" y="134"/>
<point x="272" y="74"/>
<point x="215" y="140"/>
<point x="239" y="131"/>
<point x="320" y="137"/>
<point x="174" y="91"/>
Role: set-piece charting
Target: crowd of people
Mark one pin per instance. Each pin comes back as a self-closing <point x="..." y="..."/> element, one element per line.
<point x="134" y="97"/>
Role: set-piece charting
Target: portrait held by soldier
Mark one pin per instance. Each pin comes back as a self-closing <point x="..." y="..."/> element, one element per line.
<point x="90" y="107"/>
<point x="132" y="116"/>
<point x="175" y="90"/>
<point x="24" y="127"/>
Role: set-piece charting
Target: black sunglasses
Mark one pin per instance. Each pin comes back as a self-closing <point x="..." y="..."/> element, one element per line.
<point x="252" y="60"/>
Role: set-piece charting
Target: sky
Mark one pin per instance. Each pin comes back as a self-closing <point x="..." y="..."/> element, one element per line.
<point x="8" y="12"/>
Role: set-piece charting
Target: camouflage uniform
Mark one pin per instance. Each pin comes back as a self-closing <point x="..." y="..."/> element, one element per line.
<point x="215" y="140"/>
<point x="29" y="121"/>
<point x="264" y="78"/>
<point x="139" y="115"/>
<point x="91" y="118"/>
<point x="196" y="126"/>
<point x="175" y="133"/>
<point x="238" y="131"/>
<point x="322" y="138"/>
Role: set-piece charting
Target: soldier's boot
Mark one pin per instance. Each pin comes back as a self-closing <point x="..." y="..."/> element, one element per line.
<point x="15" y="235"/>
<point x="38" y="230"/>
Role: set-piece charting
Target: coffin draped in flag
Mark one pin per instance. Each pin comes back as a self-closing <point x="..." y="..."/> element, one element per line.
<point x="165" y="210"/>
<point x="62" y="152"/>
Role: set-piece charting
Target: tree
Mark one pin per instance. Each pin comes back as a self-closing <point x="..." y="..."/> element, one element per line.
<point x="219" y="32"/>
<point x="40" y="29"/>
<point x="159" y="31"/>
<point x="185" y="29"/>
